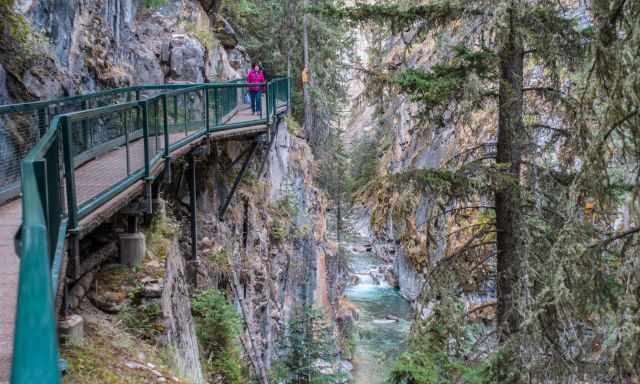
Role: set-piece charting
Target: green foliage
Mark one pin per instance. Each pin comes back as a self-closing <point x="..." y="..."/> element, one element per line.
<point x="278" y="231"/>
<point x="14" y="27"/>
<point x="142" y="319"/>
<point x="444" y="82"/>
<point x="153" y="4"/>
<point x="258" y="21"/>
<point x="364" y="161"/>
<point x="287" y="206"/>
<point x="218" y="327"/>
<point x="21" y="46"/>
<point x="309" y="343"/>
<point x="425" y="367"/>
<point x="437" y="13"/>
<point x="430" y="360"/>
<point x="220" y="259"/>
<point x="293" y="126"/>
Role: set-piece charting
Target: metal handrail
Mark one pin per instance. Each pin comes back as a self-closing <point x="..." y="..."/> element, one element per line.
<point x="45" y="223"/>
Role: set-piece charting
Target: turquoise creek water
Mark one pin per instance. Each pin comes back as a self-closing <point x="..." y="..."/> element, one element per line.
<point x="383" y="324"/>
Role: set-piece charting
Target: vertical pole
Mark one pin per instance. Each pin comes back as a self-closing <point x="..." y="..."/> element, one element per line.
<point x="175" y="110"/>
<point x="167" y="152"/>
<point x="206" y="110"/>
<point x="165" y="121"/>
<point x="192" y="204"/>
<point x="267" y="97"/>
<point x="147" y="165"/>
<point x="186" y="116"/>
<point x="52" y="159"/>
<point x="88" y="132"/>
<point x="216" y="106"/>
<point x="126" y="142"/>
<point x="42" y="121"/>
<point x="289" y="96"/>
<point x="138" y="111"/>
<point x="145" y="136"/>
<point x="40" y="170"/>
<point x="72" y="207"/>
<point x="156" y="108"/>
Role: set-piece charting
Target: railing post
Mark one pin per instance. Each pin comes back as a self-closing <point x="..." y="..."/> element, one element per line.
<point x="137" y="111"/>
<point x="126" y="141"/>
<point x="216" y="104"/>
<point x="52" y="159"/>
<point x="186" y="114"/>
<point x="167" y="152"/>
<point x="156" y="125"/>
<point x="88" y="135"/>
<point x="165" y="121"/>
<point x="206" y="110"/>
<point x="147" y="162"/>
<point x="268" y="93"/>
<point x="40" y="170"/>
<point x="69" y="174"/>
<point x="289" y="96"/>
<point x="145" y="136"/>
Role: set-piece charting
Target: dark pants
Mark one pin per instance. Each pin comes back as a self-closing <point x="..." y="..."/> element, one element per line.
<point x="256" y="101"/>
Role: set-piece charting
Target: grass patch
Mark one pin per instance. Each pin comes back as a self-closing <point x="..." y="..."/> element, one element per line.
<point x="103" y="358"/>
<point x="292" y="126"/>
<point x="143" y="320"/>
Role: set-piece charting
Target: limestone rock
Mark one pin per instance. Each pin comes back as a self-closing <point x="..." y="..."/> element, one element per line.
<point x="225" y="33"/>
<point x="186" y="59"/>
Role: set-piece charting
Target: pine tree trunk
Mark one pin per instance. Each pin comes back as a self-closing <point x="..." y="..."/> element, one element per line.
<point x="508" y="199"/>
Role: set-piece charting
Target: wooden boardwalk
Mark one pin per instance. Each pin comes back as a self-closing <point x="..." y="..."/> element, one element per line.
<point x="10" y="219"/>
<point x="91" y="178"/>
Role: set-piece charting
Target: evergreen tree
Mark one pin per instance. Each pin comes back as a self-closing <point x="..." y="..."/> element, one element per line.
<point x="311" y="351"/>
<point x="517" y="36"/>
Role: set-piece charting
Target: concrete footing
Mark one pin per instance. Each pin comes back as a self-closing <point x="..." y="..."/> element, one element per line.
<point x="132" y="248"/>
<point x="71" y="328"/>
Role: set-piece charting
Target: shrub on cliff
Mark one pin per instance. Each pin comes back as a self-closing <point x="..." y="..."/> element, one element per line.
<point x="218" y="328"/>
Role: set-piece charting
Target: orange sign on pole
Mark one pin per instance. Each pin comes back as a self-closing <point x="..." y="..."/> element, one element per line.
<point x="305" y="75"/>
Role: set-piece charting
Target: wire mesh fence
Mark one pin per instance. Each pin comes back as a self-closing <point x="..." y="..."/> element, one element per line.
<point x="190" y="109"/>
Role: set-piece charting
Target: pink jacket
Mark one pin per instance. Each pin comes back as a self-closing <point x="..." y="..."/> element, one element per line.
<point x="255" y="77"/>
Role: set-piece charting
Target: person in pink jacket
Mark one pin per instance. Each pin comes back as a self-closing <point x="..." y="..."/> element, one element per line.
<point x="256" y="76"/>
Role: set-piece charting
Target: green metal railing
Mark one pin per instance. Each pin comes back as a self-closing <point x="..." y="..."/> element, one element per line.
<point x="145" y="130"/>
<point x="23" y="125"/>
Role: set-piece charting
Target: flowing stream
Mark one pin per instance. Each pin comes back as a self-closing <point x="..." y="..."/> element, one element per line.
<point x="384" y="319"/>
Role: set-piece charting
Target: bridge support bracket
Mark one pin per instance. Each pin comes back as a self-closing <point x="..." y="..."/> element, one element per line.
<point x="245" y="165"/>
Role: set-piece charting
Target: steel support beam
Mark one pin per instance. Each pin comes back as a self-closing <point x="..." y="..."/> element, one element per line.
<point x="227" y="201"/>
<point x="192" y="205"/>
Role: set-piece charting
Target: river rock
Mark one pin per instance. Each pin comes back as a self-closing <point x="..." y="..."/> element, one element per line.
<point x="391" y="278"/>
<point x="152" y="290"/>
<point x="345" y="366"/>
<point x="383" y="321"/>
<point x="374" y="277"/>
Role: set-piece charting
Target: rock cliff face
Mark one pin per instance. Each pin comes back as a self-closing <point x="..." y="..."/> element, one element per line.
<point x="270" y="249"/>
<point x="408" y="140"/>
<point x="180" y="329"/>
<point x="88" y="45"/>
